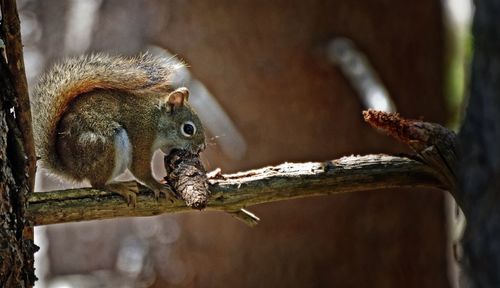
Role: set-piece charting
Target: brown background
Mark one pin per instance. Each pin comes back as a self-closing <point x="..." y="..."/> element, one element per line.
<point x="262" y="60"/>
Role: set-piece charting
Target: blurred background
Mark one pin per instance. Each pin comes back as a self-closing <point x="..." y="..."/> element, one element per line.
<point x="273" y="81"/>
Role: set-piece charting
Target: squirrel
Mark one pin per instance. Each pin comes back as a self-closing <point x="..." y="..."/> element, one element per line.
<point x="97" y="116"/>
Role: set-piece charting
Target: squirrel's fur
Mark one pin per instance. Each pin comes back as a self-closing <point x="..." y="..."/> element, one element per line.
<point x="76" y="76"/>
<point x="97" y="115"/>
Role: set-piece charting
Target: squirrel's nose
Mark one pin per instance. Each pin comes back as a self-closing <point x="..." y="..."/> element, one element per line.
<point x="202" y="147"/>
<point x="198" y="149"/>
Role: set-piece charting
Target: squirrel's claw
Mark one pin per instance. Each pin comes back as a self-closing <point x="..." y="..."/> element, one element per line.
<point x="167" y="191"/>
<point x="127" y="190"/>
<point x="131" y="199"/>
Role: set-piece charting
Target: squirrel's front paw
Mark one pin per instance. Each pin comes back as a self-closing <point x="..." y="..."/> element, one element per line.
<point x="166" y="190"/>
<point x="127" y="190"/>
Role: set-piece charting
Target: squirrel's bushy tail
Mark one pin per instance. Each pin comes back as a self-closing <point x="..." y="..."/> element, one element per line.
<point x="75" y="76"/>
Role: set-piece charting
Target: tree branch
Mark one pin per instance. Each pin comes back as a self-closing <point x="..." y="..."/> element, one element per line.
<point x="235" y="191"/>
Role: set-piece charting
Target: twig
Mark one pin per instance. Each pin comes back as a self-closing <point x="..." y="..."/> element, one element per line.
<point x="233" y="192"/>
<point x="434" y="144"/>
<point x="246" y="217"/>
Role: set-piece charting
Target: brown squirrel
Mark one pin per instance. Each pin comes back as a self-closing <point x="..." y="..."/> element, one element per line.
<point x="96" y="116"/>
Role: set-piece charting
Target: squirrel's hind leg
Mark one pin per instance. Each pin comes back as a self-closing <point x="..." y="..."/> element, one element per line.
<point x="122" y="151"/>
<point x="98" y="155"/>
<point x="127" y="190"/>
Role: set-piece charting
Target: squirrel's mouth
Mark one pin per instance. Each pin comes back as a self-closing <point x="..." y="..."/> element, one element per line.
<point x="166" y="150"/>
<point x="192" y="150"/>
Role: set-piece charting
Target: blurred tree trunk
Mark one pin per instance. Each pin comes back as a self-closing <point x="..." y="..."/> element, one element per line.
<point x="258" y="58"/>
<point x="263" y="62"/>
<point x="479" y="176"/>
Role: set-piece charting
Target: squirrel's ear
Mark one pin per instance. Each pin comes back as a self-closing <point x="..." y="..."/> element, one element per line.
<point x="177" y="98"/>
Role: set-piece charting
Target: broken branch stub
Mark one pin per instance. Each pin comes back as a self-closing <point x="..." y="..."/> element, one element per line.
<point x="186" y="174"/>
<point x="434" y="144"/>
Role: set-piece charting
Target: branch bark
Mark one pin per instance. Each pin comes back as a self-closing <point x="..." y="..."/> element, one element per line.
<point x="235" y="191"/>
<point x="17" y="161"/>
<point x="11" y="34"/>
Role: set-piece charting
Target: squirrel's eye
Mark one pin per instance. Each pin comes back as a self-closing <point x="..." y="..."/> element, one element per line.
<point x="188" y="129"/>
